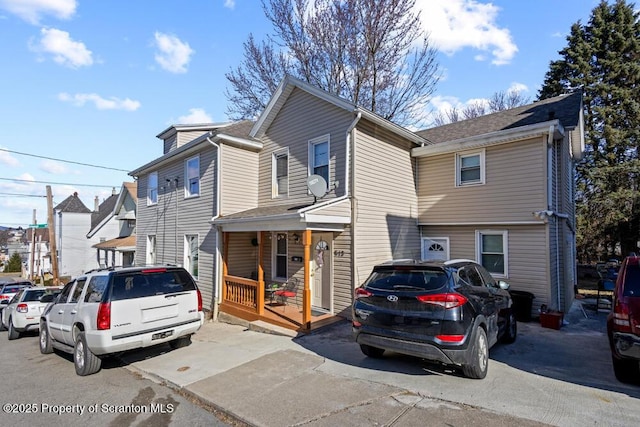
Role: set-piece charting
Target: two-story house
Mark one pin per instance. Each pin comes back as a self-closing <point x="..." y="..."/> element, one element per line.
<point x="71" y="220"/>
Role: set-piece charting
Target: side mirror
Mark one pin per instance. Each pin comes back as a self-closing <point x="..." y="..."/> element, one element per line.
<point x="503" y="285"/>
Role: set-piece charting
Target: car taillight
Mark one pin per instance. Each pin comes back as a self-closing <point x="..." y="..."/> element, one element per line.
<point x="447" y="301"/>
<point x="362" y="293"/>
<point x="4" y="296"/>
<point x="22" y="308"/>
<point x="450" y="338"/>
<point x="621" y="317"/>
<point x="104" y="316"/>
<point x="154" y="270"/>
<point x="199" y="300"/>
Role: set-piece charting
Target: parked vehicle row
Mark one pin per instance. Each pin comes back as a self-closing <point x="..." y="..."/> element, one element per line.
<point x="108" y="311"/>
<point x="22" y="313"/>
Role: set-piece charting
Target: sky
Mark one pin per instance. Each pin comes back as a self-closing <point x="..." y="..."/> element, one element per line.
<point x="87" y="85"/>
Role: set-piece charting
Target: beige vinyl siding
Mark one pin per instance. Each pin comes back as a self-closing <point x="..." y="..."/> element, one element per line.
<point x="243" y="256"/>
<point x="342" y="286"/>
<point x="303" y="118"/>
<point x="515" y="186"/>
<point x="528" y="257"/>
<point x="239" y="180"/>
<point x="184" y="137"/>
<point x="342" y="208"/>
<point x="386" y="200"/>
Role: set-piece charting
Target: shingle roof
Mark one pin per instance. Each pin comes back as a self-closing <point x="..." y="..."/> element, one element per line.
<point x="239" y="129"/>
<point x="132" y="188"/>
<point x="104" y="210"/>
<point x="72" y="204"/>
<point x="118" y="242"/>
<point x="565" y="108"/>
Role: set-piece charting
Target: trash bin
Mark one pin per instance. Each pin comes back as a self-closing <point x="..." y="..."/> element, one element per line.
<point x="522" y="304"/>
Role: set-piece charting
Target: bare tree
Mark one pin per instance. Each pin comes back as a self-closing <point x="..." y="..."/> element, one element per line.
<point x="506" y="100"/>
<point x="371" y="52"/>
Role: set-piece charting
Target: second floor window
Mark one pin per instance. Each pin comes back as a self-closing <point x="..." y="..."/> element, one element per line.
<point x="469" y="168"/>
<point x="192" y="181"/>
<point x="281" y="173"/>
<point x="319" y="157"/>
<point x="152" y="188"/>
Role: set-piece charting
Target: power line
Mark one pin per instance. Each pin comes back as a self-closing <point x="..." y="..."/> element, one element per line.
<point x="20" y="195"/>
<point x="64" y="161"/>
<point x="56" y="183"/>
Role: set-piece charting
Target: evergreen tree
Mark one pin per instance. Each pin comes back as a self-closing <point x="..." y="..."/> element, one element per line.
<point x="15" y="263"/>
<point x="603" y="59"/>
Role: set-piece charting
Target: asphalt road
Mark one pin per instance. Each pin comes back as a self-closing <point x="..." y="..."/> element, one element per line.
<point x="44" y="390"/>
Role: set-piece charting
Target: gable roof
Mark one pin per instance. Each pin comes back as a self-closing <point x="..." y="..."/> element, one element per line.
<point x="105" y="211"/>
<point x="72" y="204"/>
<point x="289" y="83"/>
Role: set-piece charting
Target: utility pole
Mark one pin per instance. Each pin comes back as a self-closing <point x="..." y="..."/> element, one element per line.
<point x="32" y="276"/>
<point x="52" y="237"/>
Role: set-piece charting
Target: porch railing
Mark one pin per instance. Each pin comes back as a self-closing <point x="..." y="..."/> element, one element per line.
<point x="241" y="291"/>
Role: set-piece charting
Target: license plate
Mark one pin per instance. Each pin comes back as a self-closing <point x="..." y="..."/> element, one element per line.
<point x="161" y="335"/>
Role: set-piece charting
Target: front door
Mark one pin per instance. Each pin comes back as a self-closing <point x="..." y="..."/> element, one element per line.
<point x="321" y="247"/>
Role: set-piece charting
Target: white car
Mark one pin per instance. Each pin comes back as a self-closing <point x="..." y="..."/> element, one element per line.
<point x="23" y="311"/>
<point x="118" y="309"/>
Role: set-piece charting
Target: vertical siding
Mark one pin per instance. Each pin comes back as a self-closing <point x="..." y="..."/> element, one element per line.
<point x="515" y="186"/>
<point x="386" y="201"/>
<point x="239" y="170"/>
<point x="302" y="118"/>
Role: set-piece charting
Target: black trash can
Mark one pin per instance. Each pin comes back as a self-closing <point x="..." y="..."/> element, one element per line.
<point x="522" y="304"/>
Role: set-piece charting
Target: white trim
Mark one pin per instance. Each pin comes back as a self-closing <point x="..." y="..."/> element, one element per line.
<point x="505" y="250"/>
<point x="187" y="178"/>
<point x="274" y="173"/>
<point x="458" y="167"/>
<point x="331" y="219"/>
<point x="149" y="202"/>
<point x="483" y="223"/>
<point x="435" y="240"/>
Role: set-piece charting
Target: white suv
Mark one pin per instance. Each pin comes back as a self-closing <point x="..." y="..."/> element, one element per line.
<point x="114" y="310"/>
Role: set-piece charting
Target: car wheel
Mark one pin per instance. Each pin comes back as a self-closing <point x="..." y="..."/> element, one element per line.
<point x="511" y="331"/>
<point x="13" y="334"/>
<point x="180" y="342"/>
<point x="626" y="370"/>
<point x="45" y="339"/>
<point x="370" y="351"/>
<point x="85" y="361"/>
<point x="479" y="360"/>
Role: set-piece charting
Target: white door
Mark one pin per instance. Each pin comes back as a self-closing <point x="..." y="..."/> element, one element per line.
<point x="435" y="248"/>
<point x="321" y="247"/>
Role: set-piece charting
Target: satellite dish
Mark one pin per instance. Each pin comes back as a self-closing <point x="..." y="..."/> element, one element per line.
<point x="317" y="186"/>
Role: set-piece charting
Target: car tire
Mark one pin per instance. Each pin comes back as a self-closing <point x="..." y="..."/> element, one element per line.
<point x="479" y="356"/>
<point x="86" y="363"/>
<point x="626" y="370"/>
<point x="373" y="352"/>
<point x="13" y="334"/>
<point x="180" y="342"/>
<point x="511" y="331"/>
<point x="45" y="340"/>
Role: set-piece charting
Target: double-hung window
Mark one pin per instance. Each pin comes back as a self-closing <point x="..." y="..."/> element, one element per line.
<point x="191" y="254"/>
<point x="492" y="251"/>
<point x="470" y="168"/>
<point x="319" y="157"/>
<point x="192" y="180"/>
<point x="280" y="255"/>
<point x="152" y="188"/>
<point x="151" y="249"/>
<point x="280" y="167"/>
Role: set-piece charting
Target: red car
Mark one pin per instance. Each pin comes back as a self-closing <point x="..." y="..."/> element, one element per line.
<point x="623" y="323"/>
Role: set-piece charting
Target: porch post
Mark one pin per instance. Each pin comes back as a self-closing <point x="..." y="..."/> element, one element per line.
<point x="225" y="267"/>
<point x="260" y="296"/>
<point x="306" y="293"/>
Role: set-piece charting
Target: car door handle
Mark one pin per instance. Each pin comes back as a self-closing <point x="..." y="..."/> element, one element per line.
<point x="74" y="311"/>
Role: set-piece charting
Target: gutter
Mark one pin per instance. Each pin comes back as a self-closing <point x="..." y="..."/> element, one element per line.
<point x="350" y="163"/>
<point x="550" y="154"/>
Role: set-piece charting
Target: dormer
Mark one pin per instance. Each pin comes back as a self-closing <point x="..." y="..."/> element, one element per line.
<point x="176" y="136"/>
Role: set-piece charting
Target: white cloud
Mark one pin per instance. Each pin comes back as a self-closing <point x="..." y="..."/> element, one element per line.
<point x="196" y="115"/>
<point x="456" y="24"/>
<point x="229" y="4"/>
<point x="518" y="87"/>
<point x="32" y="11"/>
<point x="173" y="55"/>
<point x="112" y="103"/>
<point x="53" y="167"/>
<point x="65" y="50"/>
<point x="7" y="159"/>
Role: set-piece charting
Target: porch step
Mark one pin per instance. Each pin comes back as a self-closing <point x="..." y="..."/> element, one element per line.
<point x="268" y="328"/>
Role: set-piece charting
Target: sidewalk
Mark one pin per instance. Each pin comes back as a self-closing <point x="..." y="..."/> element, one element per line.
<point x="268" y="379"/>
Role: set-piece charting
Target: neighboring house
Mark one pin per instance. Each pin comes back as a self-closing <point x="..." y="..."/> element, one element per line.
<point x="116" y="215"/>
<point x="200" y="173"/>
<point x="39" y="252"/>
<point x="499" y="189"/>
<point x="257" y="217"/>
<point x="72" y="219"/>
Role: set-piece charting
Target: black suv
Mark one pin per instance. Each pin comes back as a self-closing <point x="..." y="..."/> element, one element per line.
<point x="450" y="312"/>
<point x="623" y="323"/>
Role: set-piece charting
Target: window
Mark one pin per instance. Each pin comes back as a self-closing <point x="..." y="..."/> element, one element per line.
<point x="152" y="189"/>
<point x="77" y="291"/>
<point x="280" y="251"/>
<point x="95" y="289"/>
<point x="151" y="249"/>
<point x="491" y="247"/>
<point x="191" y="254"/>
<point x="319" y="157"/>
<point x="280" y="167"/>
<point x="470" y="168"/>
<point x="192" y="181"/>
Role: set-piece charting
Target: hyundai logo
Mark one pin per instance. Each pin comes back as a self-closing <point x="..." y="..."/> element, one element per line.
<point x="392" y="298"/>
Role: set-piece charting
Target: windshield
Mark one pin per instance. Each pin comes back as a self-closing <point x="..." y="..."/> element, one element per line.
<point x="407" y="279"/>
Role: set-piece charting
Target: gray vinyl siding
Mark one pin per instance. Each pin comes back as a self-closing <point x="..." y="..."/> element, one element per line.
<point x="515" y="186"/>
<point x="342" y="286"/>
<point x="170" y="143"/>
<point x="239" y="170"/>
<point x="529" y="258"/>
<point x="303" y="118"/>
<point x="386" y="201"/>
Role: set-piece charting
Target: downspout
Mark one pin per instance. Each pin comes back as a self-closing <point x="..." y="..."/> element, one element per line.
<point x="350" y="162"/>
<point x="550" y="156"/>
<point x="218" y="278"/>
